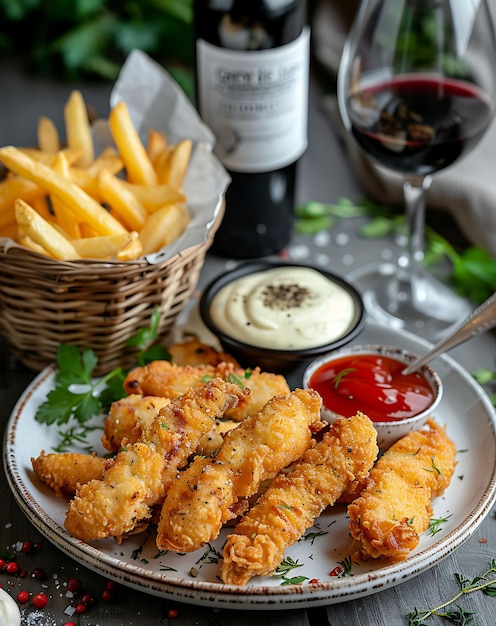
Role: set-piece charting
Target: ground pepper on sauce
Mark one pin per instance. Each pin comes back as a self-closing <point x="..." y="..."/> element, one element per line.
<point x="284" y="308"/>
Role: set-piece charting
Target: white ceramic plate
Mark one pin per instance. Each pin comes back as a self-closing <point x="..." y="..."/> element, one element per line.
<point x="320" y="554"/>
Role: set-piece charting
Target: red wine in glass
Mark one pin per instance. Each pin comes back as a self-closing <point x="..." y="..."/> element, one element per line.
<point x="418" y="124"/>
<point x="417" y="90"/>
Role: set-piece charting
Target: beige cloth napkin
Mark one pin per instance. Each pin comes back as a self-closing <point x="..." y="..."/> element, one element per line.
<point x="467" y="189"/>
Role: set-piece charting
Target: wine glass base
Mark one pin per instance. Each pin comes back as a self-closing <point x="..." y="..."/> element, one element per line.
<point x="431" y="309"/>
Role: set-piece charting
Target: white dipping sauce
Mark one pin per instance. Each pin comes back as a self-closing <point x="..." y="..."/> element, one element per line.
<point x="9" y="611"/>
<point x="285" y="308"/>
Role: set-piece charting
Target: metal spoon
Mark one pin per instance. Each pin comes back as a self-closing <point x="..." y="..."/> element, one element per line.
<point x="482" y="319"/>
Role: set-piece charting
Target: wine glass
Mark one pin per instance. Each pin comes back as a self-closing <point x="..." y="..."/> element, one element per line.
<point x="416" y="90"/>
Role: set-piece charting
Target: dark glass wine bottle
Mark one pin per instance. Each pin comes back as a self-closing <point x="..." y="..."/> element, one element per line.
<point x="252" y="63"/>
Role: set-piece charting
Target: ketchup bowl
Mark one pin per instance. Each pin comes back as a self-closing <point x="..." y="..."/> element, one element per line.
<point x="369" y="379"/>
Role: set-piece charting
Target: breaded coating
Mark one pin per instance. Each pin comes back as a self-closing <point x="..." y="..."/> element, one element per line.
<point x="63" y="471"/>
<point x="199" y="502"/>
<point x="395" y="507"/>
<point x="141" y="473"/>
<point x="161" y="378"/>
<point x="194" y="352"/>
<point x="128" y="417"/>
<point x="294" y="499"/>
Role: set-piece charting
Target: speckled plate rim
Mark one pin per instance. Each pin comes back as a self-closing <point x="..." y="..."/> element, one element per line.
<point x="263" y="596"/>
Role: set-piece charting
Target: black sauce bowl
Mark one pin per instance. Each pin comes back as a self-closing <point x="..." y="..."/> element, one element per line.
<point x="270" y="359"/>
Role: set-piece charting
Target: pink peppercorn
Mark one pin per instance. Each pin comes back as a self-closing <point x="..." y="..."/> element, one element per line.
<point x="40" y="600"/>
<point x="12" y="567"/>
<point x="23" y="597"/>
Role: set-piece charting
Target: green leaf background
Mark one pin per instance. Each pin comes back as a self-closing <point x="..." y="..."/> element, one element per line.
<point x="90" y="39"/>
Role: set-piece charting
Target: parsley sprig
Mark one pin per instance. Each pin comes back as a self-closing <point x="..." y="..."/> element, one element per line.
<point x="77" y="396"/>
<point x="457" y="614"/>
<point x="473" y="270"/>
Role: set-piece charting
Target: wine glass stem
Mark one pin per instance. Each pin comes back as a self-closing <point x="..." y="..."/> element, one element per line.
<point x="414" y="192"/>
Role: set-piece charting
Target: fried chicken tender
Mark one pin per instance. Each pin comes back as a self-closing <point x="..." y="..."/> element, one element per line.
<point x="141" y="473"/>
<point x="200" y="501"/>
<point x="395" y="507"/>
<point x="161" y="378"/>
<point x="128" y="418"/>
<point x="63" y="471"/>
<point x="194" y="352"/>
<point x="294" y="499"/>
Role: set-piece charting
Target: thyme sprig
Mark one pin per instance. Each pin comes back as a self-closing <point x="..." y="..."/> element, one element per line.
<point x="457" y="614"/>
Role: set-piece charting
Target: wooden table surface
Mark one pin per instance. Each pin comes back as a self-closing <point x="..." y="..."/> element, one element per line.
<point x="325" y="176"/>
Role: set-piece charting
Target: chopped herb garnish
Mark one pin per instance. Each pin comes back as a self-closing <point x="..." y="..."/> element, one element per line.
<point x="235" y="380"/>
<point x="160" y="554"/>
<point x="346" y="564"/>
<point x="287" y="565"/>
<point x="340" y="375"/>
<point x="313" y="536"/>
<point x="166" y="568"/>
<point x="296" y="580"/>
<point x="433" y="467"/>
<point x="211" y="555"/>
<point x="135" y="554"/>
<point x="435" y="525"/>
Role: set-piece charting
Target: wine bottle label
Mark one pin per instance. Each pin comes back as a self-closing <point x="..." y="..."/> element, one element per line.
<point x="256" y="103"/>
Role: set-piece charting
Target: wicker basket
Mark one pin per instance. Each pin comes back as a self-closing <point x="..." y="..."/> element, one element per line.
<point x="97" y="305"/>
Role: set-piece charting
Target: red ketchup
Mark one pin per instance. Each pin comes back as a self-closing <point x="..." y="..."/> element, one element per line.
<point x="372" y="384"/>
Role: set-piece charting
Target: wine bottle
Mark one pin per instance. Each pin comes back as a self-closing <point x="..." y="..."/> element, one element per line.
<point x="252" y="64"/>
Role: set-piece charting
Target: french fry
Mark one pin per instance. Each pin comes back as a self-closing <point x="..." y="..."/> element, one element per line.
<point x="154" y="197"/>
<point x="138" y="165"/>
<point x="42" y="206"/>
<point x="48" y="135"/>
<point x="163" y="227"/>
<point x="86" y="181"/>
<point x="132" y="251"/>
<point x="77" y="128"/>
<point x="87" y="209"/>
<point x="157" y="145"/>
<point x="87" y="231"/>
<point x="13" y="187"/>
<point x="178" y="163"/>
<point x="122" y="201"/>
<point x="51" y="199"/>
<point x="65" y="217"/>
<point x="48" y="158"/>
<point x="30" y="244"/>
<point x="162" y="167"/>
<point x="43" y="233"/>
<point x="109" y="159"/>
<point x="125" y="245"/>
